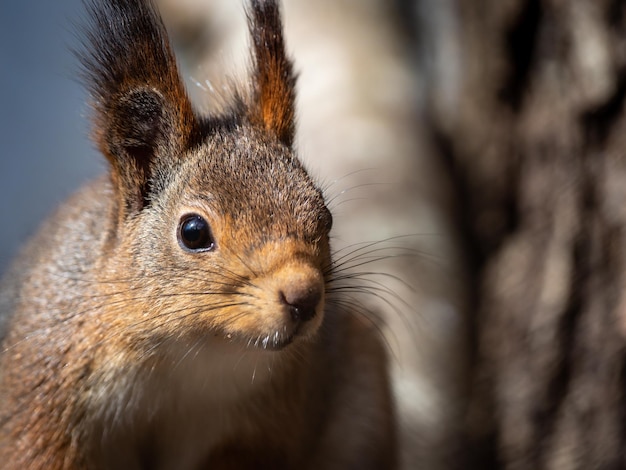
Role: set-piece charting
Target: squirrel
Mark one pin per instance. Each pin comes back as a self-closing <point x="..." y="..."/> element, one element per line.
<point x="178" y="311"/>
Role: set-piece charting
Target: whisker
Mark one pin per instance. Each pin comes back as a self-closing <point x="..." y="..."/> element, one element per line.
<point x="373" y="292"/>
<point x="330" y="202"/>
<point x="348" y="304"/>
<point x="196" y="345"/>
<point x="327" y="185"/>
<point x="346" y="275"/>
<point x="245" y="264"/>
<point x="120" y="305"/>
<point x="372" y="248"/>
<point x="376" y="287"/>
<point x="228" y="280"/>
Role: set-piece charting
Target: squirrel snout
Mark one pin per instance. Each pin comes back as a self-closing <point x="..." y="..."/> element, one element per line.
<point x="299" y="289"/>
<point x="302" y="299"/>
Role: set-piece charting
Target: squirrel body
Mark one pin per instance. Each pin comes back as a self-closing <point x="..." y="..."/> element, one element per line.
<point x="175" y="313"/>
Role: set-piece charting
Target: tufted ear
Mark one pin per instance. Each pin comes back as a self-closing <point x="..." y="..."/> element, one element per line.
<point x="142" y="115"/>
<point x="272" y="106"/>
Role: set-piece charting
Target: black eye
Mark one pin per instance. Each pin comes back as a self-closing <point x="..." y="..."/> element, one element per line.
<point x="194" y="233"/>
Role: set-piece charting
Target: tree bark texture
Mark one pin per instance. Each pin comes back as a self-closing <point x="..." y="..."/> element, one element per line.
<point x="536" y="146"/>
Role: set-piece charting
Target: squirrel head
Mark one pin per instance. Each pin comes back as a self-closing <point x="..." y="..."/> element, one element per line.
<point x="216" y="228"/>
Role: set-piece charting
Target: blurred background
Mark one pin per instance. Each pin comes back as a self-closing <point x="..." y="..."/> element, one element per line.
<point x="45" y="150"/>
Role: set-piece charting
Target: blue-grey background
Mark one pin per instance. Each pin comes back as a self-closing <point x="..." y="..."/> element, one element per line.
<point x="45" y="152"/>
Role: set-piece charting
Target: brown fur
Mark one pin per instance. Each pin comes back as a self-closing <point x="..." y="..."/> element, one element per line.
<point x="274" y="80"/>
<point x="122" y="349"/>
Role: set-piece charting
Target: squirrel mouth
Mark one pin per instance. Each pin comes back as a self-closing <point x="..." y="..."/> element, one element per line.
<point x="275" y="341"/>
<point x="275" y="345"/>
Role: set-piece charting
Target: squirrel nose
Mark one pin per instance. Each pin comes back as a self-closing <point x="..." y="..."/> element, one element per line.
<point x="302" y="300"/>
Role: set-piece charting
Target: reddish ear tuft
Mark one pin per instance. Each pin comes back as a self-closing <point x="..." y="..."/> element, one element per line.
<point x="274" y="81"/>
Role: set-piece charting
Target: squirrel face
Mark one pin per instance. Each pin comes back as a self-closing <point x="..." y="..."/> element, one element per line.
<point x="250" y="269"/>
<point x="225" y="232"/>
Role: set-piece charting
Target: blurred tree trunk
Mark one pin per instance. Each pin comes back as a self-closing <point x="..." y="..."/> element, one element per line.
<point x="536" y="145"/>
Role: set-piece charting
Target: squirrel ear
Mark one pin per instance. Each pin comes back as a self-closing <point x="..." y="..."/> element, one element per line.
<point x="274" y="81"/>
<point x="142" y="115"/>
